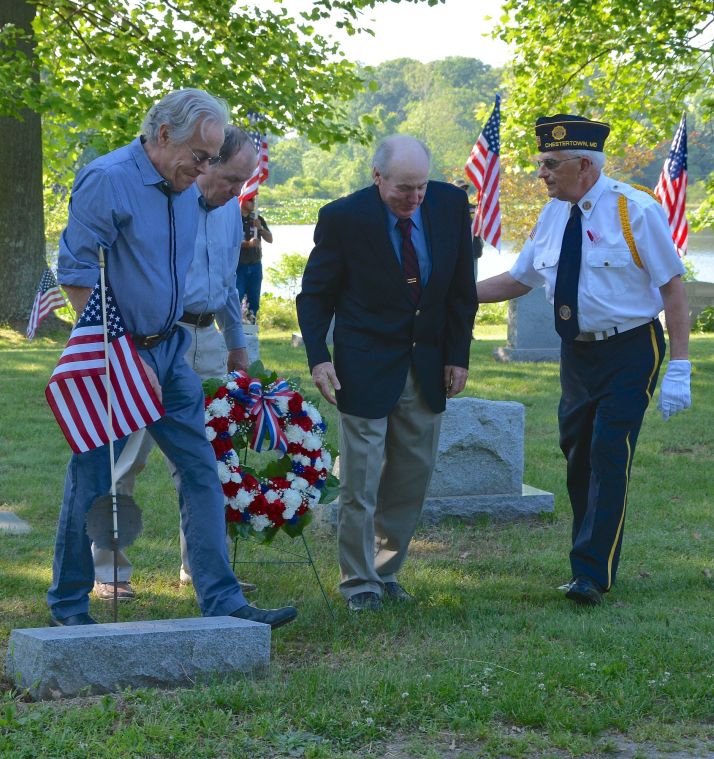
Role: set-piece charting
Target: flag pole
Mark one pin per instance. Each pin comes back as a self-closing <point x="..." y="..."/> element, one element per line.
<point x="113" y="490"/>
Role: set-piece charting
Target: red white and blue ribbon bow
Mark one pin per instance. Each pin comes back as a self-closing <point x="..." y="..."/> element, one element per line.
<point x="263" y="405"/>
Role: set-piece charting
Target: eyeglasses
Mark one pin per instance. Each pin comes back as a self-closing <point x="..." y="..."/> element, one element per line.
<point x="552" y="163"/>
<point x="211" y="160"/>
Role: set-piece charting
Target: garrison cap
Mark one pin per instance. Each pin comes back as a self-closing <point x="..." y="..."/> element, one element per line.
<point x="564" y="132"/>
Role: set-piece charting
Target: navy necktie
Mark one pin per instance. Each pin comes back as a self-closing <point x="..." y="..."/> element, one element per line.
<point x="410" y="263"/>
<point x="566" y="284"/>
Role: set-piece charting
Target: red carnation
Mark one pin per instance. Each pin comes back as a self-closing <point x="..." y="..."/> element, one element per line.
<point x="232" y="515"/>
<point x="259" y="505"/>
<point x="301" y="510"/>
<point x="249" y="482"/>
<point x="295" y="404"/>
<point x="222" y="392"/>
<point x="304" y="423"/>
<point x="280" y="483"/>
<point x="310" y="474"/>
<point x="231" y="488"/>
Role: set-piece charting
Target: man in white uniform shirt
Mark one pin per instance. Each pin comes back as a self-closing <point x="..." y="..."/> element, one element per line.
<point x="604" y="252"/>
<point x="210" y="297"/>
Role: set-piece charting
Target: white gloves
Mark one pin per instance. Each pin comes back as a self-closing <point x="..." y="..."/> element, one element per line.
<point x="674" y="394"/>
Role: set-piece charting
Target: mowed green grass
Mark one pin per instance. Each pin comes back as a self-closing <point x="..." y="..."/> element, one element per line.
<point x="489" y="661"/>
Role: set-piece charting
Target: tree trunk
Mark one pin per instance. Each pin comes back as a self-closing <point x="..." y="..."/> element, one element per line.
<point x="22" y="229"/>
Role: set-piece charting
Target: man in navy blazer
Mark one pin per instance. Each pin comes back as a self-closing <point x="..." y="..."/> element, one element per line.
<point x="392" y="264"/>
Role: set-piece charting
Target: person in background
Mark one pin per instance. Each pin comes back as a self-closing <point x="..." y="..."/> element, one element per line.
<point x="604" y="252"/>
<point x="249" y="273"/>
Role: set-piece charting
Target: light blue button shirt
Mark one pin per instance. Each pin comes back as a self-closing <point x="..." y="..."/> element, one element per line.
<point x="149" y="237"/>
<point x="419" y="240"/>
<point x="211" y="278"/>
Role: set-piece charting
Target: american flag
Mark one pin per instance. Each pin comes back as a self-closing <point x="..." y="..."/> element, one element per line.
<point x="250" y="188"/>
<point x="672" y="187"/>
<point x="77" y="391"/>
<point x="484" y="168"/>
<point x="48" y="298"/>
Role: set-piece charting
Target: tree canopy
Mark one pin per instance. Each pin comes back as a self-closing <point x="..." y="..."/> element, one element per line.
<point x="636" y="64"/>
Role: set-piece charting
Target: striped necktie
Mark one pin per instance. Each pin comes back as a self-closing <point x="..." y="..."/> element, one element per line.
<point x="565" y="302"/>
<point x="410" y="263"/>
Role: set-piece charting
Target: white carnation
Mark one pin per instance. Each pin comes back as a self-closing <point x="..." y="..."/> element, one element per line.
<point x="292" y="500"/>
<point x="259" y="523"/>
<point x="326" y="460"/>
<point x="219" y="407"/>
<point x="299" y="483"/>
<point x="294" y="434"/>
<point x="232" y="428"/>
<point x="224" y="474"/>
<point x="231" y="386"/>
<point x="243" y="499"/>
<point x="312" y="412"/>
<point x="312" y="442"/>
<point x="271" y="496"/>
<point x="210" y="434"/>
<point x="282" y="403"/>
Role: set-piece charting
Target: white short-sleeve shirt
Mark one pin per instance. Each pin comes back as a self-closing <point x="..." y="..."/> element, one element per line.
<point x="612" y="289"/>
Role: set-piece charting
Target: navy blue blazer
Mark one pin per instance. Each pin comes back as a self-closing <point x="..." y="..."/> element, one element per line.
<point x="354" y="274"/>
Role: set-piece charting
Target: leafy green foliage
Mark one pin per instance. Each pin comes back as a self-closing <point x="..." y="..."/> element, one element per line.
<point x="277" y="313"/>
<point x="287" y="273"/>
<point x="705" y="320"/>
<point x="634" y="64"/>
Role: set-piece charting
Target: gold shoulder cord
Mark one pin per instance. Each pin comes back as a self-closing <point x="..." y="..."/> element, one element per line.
<point x="625" y="222"/>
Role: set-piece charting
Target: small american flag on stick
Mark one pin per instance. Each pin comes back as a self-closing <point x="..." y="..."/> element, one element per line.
<point x="261" y="173"/>
<point x="483" y="168"/>
<point x="77" y="391"/>
<point x="48" y="298"/>
<point x="672" y="187"/>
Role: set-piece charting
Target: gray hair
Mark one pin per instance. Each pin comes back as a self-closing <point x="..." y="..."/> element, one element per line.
<point x="181" y="111"/>
<point x="233" y="140"/>
<point x="385" y="151"/>
<point x="596" y="157"/>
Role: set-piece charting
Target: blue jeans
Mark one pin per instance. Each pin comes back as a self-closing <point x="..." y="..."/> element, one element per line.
<point x="249" y="278"/>
<point x="181" y="436"/>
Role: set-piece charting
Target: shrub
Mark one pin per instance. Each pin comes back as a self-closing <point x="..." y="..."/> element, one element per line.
<point x="492" y="313"/>
<point x="277" y="312"/>
<point x="705" y="320"/>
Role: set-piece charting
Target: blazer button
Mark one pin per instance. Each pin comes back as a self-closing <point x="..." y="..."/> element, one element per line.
<point x="413" y="345"/>
<point x="417" y="312"/>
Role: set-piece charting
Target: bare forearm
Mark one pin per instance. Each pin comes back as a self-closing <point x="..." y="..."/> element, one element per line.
<point x="501" y="287"/>
<point x="676" y="311"/>
<point x="78" y="296"/>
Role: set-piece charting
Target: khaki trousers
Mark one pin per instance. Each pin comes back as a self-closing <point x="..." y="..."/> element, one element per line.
<point x="385" y="469"/>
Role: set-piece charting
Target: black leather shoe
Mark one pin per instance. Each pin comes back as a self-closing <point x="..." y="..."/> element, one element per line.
<point x="396" y="592"/>
<point x="273" y="617"/>
<point x="585" y="592"/>
<point x="75" y="619"/>
<point x="366" y="601"/>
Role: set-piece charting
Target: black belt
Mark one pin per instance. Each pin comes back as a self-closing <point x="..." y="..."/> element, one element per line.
<point x="199" y="320"/>
<point x="151" y="341"/>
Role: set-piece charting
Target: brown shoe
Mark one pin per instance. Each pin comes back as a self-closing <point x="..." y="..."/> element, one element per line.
<point x="105" y="591"/>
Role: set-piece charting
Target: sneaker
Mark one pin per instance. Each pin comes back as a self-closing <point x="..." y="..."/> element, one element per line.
<point x="105" y="591"/>
<point x="364" y="602"/>
<point x="585" y="592"/>
<point x="395" y="592"/>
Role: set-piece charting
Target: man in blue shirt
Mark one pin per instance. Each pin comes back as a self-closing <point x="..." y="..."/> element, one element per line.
<point x="133" y="202"/>
<point x="210" y="296"/>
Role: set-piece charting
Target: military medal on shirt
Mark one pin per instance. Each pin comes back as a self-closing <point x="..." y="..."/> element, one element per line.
<point x="565" y="313"/>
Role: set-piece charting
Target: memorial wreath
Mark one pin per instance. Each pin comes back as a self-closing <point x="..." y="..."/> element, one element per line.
<point x="259" y="411"/>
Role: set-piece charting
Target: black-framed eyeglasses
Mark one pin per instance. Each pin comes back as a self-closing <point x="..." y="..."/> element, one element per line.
<point x="552" y="163"/>
<point x="211" y="160"/>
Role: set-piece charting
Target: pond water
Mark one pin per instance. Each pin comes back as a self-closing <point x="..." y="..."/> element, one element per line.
<point x="297" y="238"/>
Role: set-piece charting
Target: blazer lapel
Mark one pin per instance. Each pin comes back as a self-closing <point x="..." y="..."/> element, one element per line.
<point x="374" y="227"/>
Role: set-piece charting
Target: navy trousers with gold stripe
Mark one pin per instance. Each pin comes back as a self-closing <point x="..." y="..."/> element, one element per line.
<point x="606" y="387"/>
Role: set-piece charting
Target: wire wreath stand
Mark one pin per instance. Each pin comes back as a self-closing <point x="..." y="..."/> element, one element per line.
<point x="299" y="558"/>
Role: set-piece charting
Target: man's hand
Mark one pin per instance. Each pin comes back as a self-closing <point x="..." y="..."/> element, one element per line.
<point x="238" y="359"/>
<point x="324" y="377"/>
<point x="153" y="379"/>
<point x="675" y="394"/>
<point x="454" y="380"/>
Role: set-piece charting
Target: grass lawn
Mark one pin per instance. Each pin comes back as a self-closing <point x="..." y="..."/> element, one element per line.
<point x="490" y="660"/>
